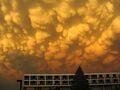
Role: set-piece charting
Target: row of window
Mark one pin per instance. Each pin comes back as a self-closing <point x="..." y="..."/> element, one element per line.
<point x="47" y="77"/>
<point x="103" y="76"/>
<point x="46" y="83"/>
<point x="107" y="81"/>
<point x="70" y="77"/>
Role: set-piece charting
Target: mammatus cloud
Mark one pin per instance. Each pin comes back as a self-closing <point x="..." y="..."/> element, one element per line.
<point x="38" y="36"/>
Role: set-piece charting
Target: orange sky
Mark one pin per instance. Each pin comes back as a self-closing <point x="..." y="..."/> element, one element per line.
<point x="51" y="36"/>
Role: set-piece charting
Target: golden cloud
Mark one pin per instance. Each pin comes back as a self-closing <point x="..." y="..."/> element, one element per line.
<point x="58" y="34"/>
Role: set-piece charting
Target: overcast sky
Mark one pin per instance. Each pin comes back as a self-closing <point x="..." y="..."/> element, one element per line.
<point x="56" y="36"/>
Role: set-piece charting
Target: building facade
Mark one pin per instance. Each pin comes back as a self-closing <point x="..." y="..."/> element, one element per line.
<point x="97" y="81"/>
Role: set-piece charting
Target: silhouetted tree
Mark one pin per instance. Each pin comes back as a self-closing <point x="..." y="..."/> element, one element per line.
<point x="79" y="81"/>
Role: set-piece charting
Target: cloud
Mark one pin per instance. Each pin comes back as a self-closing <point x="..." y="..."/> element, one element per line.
<point x="64" y="11"/>
<point x="38" y="36"/>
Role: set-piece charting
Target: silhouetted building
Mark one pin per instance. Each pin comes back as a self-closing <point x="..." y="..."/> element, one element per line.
<point x="97" y="81"/>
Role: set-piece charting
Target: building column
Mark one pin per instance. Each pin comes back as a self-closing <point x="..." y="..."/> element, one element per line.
<point x="20" y="81"/>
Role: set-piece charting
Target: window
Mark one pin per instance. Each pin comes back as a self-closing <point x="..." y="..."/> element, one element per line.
<point x="94" y="82"/>
<point x="107" y="76"/>
<point x="33" y="77"/>
<point x="49" y="82"/>
<point x="87" y="76"/>
<point x="33" y="82"/>
<point x="64" y="82"/>
<point x="115" y="80"/>
<point x="94" y="76"/>
<point x="41" y="82"/>
<point x="101" y="81"/>
<point x="114" y="76"/>
<point x="101" y="76"/>
<point x="26" y="82"/>
<point x="64" y="77"/>
<point x="56" y="78"/>
<point x="56" y="82"/>
<point x="49" y="77"/>
<point x="26" y="77"/>
<point x="108" y="81"/>
<point x="41" y="78"/>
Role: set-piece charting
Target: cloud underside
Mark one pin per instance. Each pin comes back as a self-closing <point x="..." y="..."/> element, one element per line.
<point x="44" y="36"/>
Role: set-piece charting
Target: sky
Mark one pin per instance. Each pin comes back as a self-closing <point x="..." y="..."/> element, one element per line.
<point x="56" y="36"/>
